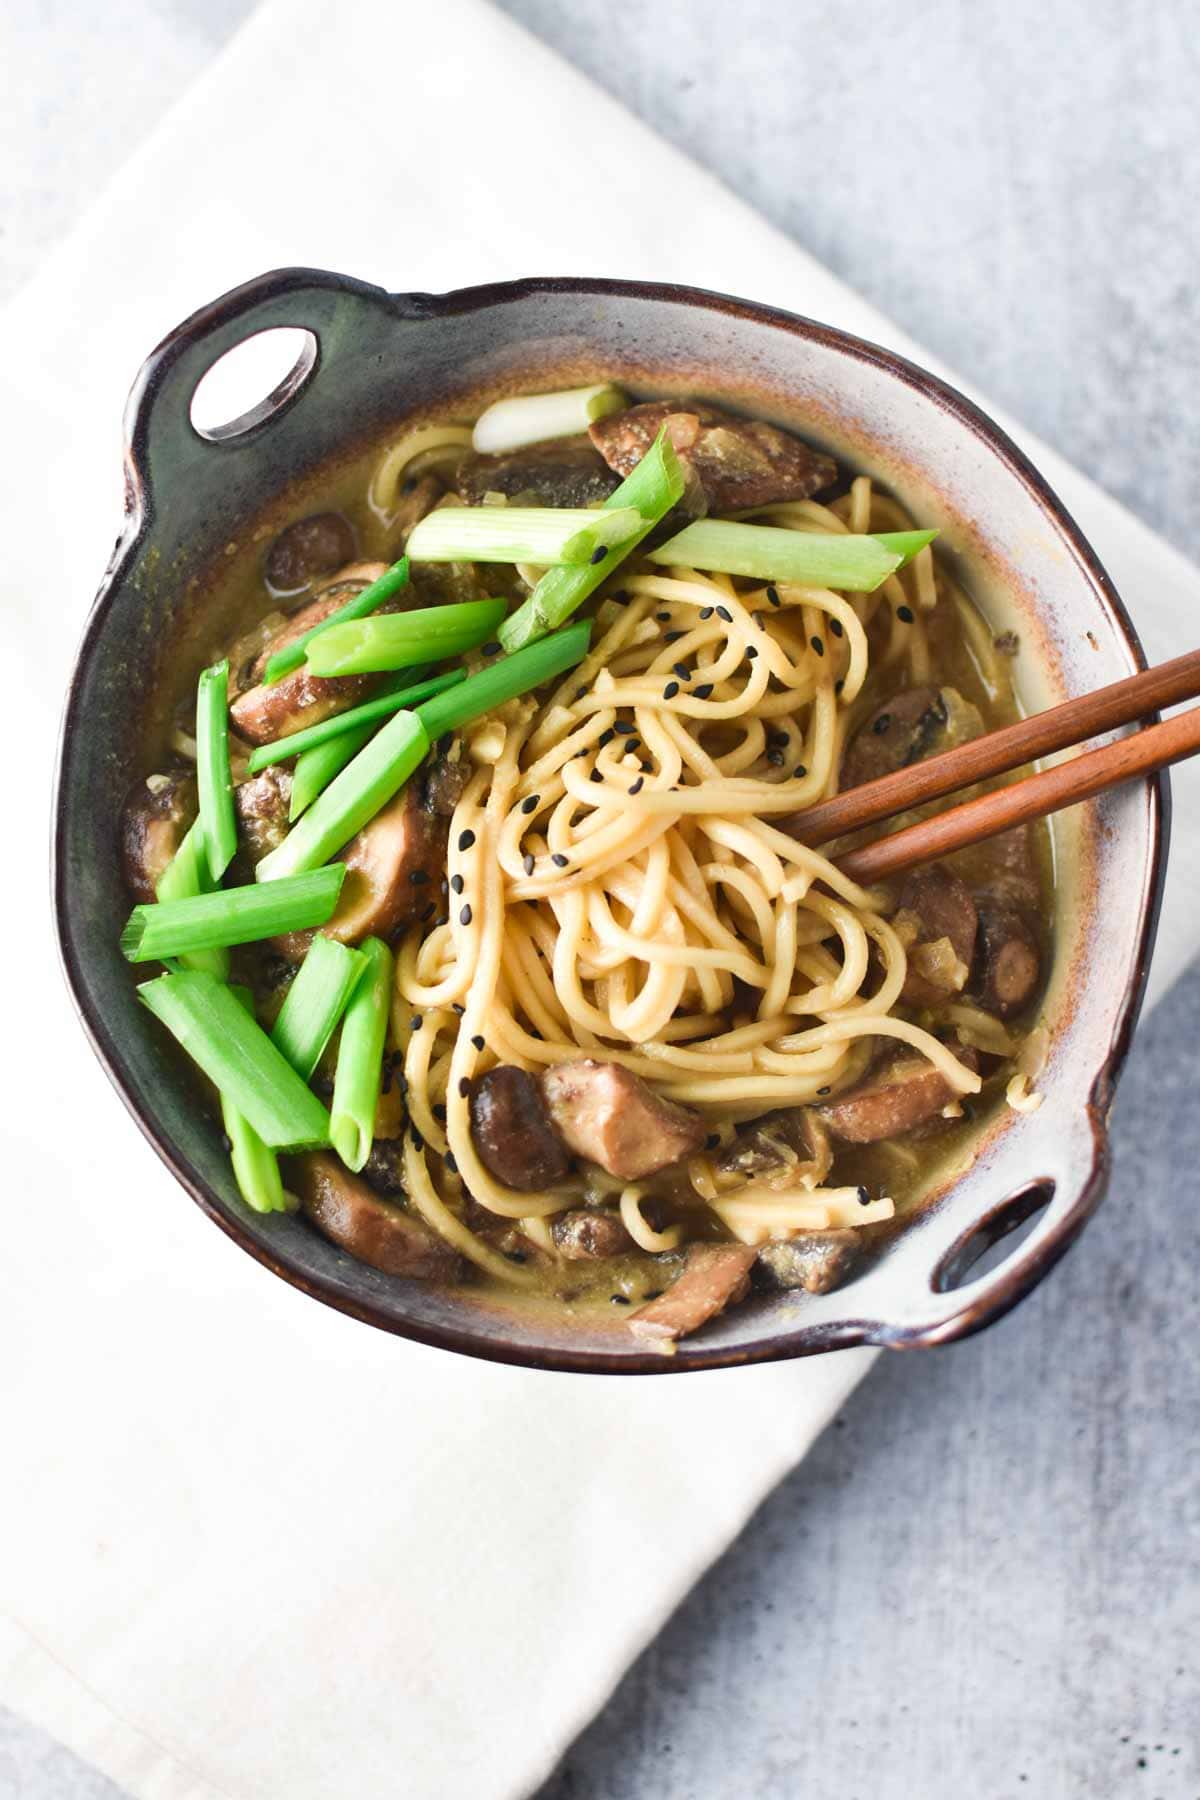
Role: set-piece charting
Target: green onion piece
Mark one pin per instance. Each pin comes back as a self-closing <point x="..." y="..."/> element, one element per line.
<point x="315" y="769"/>
<point x="363" y="788"/>
<point x="504" y="680"/>
<point x="360" y="1058"/>
<point x="398" y="640"/>
<point x="315" y="1002"/>
<point x="186" y="875"/>
<point x="521" y="534"/>
<point x="771" y="553"/>
<point x="367" y="714"/>
<point x="255" y="1166"/>
<point x="531" y="418"/>
<point x="292" y="655"/>
<point x="210" y="1023"/>
<point x="653" y="487"/>
<point x="217" y="819"/>
<point x="239" y="915"/>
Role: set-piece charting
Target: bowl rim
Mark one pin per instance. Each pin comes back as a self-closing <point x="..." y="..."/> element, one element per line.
<point x="1014" y="1278"/>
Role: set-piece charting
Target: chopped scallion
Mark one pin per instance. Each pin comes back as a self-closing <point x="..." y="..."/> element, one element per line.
<point x="506" y="679"/>
<point x="843" y="560"/>
<point x="653" y="487"/>
<point x="210" y="1023"/>
<point x="186" y="875"/>
<point x="398" y="640"/>
<point x="352" y="799"/>
<point x="241" y="915"/>
<point x="255" y="1165"/>
<point x="531" y="418"/>
<point x="315" y="769"/>
<point x="368" y="714"/>
<point x="521" y="534"/>
<point x="217" y="819"/>
<point x="292" y="655"/>
<point x="360" y="1057"/>
<point x="315" y="1002"/>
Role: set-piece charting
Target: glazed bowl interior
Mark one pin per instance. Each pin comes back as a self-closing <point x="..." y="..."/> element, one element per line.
<point x="378" y="361"/>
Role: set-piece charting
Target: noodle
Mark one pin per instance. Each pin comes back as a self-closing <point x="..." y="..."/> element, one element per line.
<point x="620" y="875"/>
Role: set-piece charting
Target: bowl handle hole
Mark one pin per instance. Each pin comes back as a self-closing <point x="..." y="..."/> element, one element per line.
<point x="253" y="381"/>
<point x="995" y="1239"/>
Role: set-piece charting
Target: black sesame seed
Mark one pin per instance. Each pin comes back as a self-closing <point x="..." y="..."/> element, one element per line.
<point x="839" y="684"/>
<point x="442" y="919"/>
<point x="775" y="758"/>
<point x="464" y="1087"/>
<point x="824" y="1090"/>
<point x="670" y="691"/>
<point x="624" y="726"/>
<point x="416" y="1022"/>
<point x="706" y="612"/>
<point x="427" y="912"/>
<point x="799" y="772"/>
<point x="818" y="646"/>
<point x="491" y="648"/>
<point x="638" y="785"/>
<point x="477" y="1041"/>
<point x="560" y="861"/>
<point x="419" y="877"/>
<point x="905" y="613"/>
<point x="670" y="637"/>
<point x="527" y="863"/>
<point x="751" y="653"/>
<point x="724" y="614"/>
<point x="837" y="628"/>
<point x="864" y="1199"/>
<point x="581" y="691"/>
<point x="438" y="1111"/>
<point x="530" y="803"/>
<point x="882" y="724"/>
<point x="664" y="618"/>
<point x="595" y="775"/>
<point x="457" y="884"/>
<point x="451" y="1162"/>
<point x="598" y="554"/>
<point x="606" y="737"/>
<point x="773" y="596"/>
<point x="456" y="1007"/>
<point x="620" y="1299"/>
<point x="464" y="917"/>
<point x="418" y="1140"/>
<point x="712" y="1140"/>
<point x="465" y="839"/>
<point x="704" y="690"/>
<point x="681" y="669"/>
<point x="632" y="744"/>
<point x="653" y="1293"/>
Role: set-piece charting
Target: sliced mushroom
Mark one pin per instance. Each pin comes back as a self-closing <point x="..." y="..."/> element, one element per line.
<point x="589" y="1234"/>
<point x="741" y="462"/>
<point x="159" y="812"/>
<point x="393" y="870"/>
<point x="936" y="922"/>
<point x="896" y="1096"/>
<point x="714" y="1276"/>
<point x="561" y="472"/>
<point x="308" y="549"/>
<point x="782" y="1147"/>
<point x="345" y="1210"/>
<point x="817" y="1261"/>
<point x="613" y="1118"/>
<point x="384" y="1167"/>
<point x="1005" y="868"/>
<point x="262" y="714"/>
<point x="444" y="783"/>
<point x="1008" y="963"/>
<point x="512" y="1132"/>
<point x="261" y="805"/>
<point x="910" y="726"/>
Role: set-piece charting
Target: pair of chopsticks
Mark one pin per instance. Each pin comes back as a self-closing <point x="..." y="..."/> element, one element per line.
<point x="1123" y="703"/>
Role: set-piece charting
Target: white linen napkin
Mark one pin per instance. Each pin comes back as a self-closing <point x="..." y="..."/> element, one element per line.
<point x="250" y="1549"/>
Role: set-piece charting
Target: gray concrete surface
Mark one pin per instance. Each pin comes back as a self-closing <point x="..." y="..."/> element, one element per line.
<point x="985" y="1581"/>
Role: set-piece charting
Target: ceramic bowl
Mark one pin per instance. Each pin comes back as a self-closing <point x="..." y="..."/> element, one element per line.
<point x="376" y="359"/>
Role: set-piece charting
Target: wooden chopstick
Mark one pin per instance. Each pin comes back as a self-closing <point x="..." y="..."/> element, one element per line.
<point x="999" y="751"/>
<point x="1047" y="792"/>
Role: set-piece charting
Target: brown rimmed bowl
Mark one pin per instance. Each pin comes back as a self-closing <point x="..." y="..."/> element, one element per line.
<point x="375" y="360"/>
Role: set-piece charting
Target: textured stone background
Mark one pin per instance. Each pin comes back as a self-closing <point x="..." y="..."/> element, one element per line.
<point x="984" y="1583"/>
